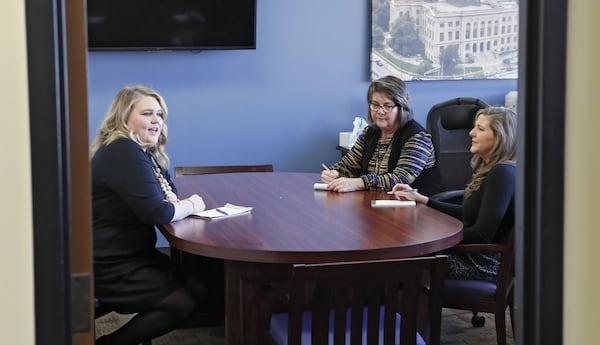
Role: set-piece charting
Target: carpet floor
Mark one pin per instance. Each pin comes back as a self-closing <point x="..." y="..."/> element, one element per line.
<point x="456" y="330"/>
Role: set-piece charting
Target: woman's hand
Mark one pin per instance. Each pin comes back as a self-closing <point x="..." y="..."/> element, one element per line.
<point x="197" y="203"/>
<point x="345" y="184"/>
<point x="405" y="192"/>
<point x="329" y="175"/>
<point x="185" y="207"/>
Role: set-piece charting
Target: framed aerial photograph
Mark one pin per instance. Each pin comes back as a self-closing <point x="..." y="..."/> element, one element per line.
<point x="445" y="39"/>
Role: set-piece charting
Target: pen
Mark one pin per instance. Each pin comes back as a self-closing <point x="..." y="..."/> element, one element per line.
<point x="406" y="190"/>
<point x="324" y="166"/>
<point x="221" y="211"/>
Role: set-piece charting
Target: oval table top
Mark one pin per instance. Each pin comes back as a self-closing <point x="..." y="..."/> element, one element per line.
<point x="290" y="222"/>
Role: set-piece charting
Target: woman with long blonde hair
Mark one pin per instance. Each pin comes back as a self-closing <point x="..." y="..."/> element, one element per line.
<point x="488" y="208"/>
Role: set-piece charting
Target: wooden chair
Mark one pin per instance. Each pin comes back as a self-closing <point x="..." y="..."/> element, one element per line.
<point x="200" y="170"/>
<point x="374" y="302"/>
<point x="486" y="296"/>
<point x="212" y="311"/>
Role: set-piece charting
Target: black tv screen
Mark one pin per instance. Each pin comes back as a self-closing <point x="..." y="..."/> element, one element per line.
<point x="171" y="24"/>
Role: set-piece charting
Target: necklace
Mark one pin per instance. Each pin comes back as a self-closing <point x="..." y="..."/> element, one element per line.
<point x="164" y="184"/>
<point x="381" y="154"/>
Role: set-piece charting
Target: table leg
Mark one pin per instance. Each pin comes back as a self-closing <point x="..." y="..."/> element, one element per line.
<point x="249" y="296"/>
<point x="233" y="308"/>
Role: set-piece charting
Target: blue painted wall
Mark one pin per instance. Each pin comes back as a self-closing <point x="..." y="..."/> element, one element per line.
<point x="283" y="103"/>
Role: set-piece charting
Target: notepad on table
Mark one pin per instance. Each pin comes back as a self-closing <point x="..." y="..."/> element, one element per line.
<point x="227" y="210"/>
<point x="393" y="203"/>
<point x="320" y="186"/>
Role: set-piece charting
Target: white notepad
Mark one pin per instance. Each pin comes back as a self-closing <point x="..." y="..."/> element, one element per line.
<point x="393" y="203"/>
<point x="227" y="210"/>
<point x="320" y="186"/>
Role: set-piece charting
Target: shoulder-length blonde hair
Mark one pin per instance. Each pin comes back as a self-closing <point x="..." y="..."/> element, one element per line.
<point x="503" y="123"/>
<point x="115" y="126"/>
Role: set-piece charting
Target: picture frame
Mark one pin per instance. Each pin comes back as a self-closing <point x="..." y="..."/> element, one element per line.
<point x="445" y="40"/>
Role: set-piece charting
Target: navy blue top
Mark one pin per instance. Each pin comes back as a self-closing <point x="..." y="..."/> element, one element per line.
<point x="127" y="200"/>
<point x="127" y="203"/>
<point x="489" y="213"/>
<point x="488" y="216"/>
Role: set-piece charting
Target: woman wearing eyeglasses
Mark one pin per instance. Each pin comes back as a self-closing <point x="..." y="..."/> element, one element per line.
<point x="393" y="149"/>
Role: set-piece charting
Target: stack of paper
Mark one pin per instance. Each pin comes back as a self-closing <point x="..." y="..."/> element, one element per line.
<point x="320" y="186"/>
<point x="393" y="203"/>
<point x="227" y="210"/>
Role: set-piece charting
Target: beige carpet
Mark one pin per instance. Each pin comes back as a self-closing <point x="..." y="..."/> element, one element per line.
<point x="456" y="330"/>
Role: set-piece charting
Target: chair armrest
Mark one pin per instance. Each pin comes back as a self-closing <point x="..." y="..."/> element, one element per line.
<point x="477" y="247"/>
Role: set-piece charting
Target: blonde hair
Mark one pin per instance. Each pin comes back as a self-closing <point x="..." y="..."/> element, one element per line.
<point x="503" y="123"/>
<point x="115" y="126"/>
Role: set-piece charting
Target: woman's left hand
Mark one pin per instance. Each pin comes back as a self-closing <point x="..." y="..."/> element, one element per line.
<point x="345" y="184"/>
<point x="405" y="192"/>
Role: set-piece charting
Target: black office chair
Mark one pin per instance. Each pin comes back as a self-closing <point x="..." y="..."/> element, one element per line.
<point x="449" y="123"/>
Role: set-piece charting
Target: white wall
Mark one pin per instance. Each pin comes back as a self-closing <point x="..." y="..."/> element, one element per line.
<point x="16" y="256"/>
<point x="582" y="176"/>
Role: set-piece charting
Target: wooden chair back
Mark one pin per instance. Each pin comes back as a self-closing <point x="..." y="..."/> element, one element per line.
<point x="359" y="301"/>
<point x="200" y="170"/>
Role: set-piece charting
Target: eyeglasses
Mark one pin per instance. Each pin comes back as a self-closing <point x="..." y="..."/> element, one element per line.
<point x="386" y="107"/>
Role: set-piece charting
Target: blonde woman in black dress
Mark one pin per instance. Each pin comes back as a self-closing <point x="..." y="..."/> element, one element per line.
<point x="131" y="193"/>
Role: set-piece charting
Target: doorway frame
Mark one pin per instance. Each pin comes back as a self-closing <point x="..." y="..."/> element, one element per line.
<point x="540" y="186"/>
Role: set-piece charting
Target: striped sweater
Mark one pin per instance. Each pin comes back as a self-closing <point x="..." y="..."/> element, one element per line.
<point x="408" y="157"/>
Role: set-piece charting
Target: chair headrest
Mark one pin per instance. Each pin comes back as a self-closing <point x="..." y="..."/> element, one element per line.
<point x="460" y="116"/>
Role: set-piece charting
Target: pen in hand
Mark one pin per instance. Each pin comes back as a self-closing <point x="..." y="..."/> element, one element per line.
<point x="324" y="166"/>
<point x="406" y="190"/>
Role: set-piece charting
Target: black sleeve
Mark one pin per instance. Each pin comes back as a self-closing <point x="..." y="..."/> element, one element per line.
<point x="453" y="210"/>
<point x="128" y="171"/>
<point x="495" y="201"/>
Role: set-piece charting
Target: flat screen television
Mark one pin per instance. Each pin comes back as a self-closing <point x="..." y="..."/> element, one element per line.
<point x="171" y="24"/>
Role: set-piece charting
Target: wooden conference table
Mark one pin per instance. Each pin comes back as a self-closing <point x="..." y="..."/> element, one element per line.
<point x="292" y="223"/>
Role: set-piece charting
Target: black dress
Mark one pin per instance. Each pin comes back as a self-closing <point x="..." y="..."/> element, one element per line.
<point x="127" y="201"/>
